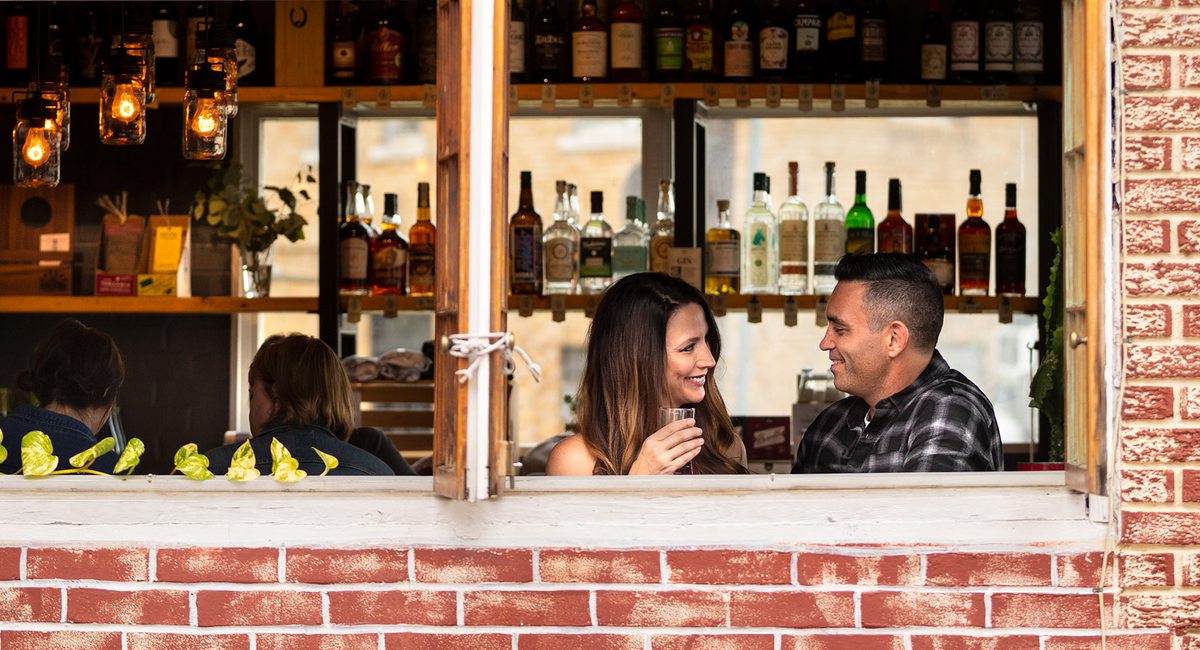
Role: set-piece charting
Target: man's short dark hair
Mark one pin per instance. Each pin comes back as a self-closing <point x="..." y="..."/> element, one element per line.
<point x="899" y="287"/>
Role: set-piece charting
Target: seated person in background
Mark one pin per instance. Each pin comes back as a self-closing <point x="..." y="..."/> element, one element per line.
<point x="653" y="343"/>
<point x="300" y="395"/>
<point x="76" y="375"/>
<point x="908" y="411"/>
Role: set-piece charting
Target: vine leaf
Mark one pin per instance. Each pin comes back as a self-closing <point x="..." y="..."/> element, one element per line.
<point x="191" y="463"/>
<point x="131" y="456"/>
<point x="284" y="468"/>
<point x="37" y="454"/>
<point x="189" y="449"/>
<point x="3" y="451"/>
<point x="242" y="468"/>
<point x="88" y="456"/>
<point x="331" y="462"/>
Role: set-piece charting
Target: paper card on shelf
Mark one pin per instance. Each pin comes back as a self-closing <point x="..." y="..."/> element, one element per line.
<point x="933" y="95"/>
<point x="666" y="97"/>
<point x="774" y="95"/>
<point x="391" y="306"/>
<point x="383" y="97"/>
<point x="754" y="310"/>
<point x="872" y="93"/>
<point x="590" y="303"/>
<point x="353" y="309"/>
<point x="790" y="312"/>
<point x="837" y="97"/>
<point x="558" y="308"/>
<point x="967" y="305"/>
<point x="549" y="97"/>
<point x="804" y="97"/>
<point x="624" y="95"/>
<point x="685" y="263"/>
<point x="996" y="92"/>
<point x="712" y="95"/>
<point x="741" y="94"/>
<point x="716" y="302"/>
<point x="587" y="96"/>
<point x="167" y="246"/>
<point x="429" y="96"/>
<point x="525" y="305"/>
<point x="349" y="98"/>
<point x="820" y="311"/>
<point x="156" y="284"/>
<point x="52" y="242"/>
<point x="1005" y="311"/>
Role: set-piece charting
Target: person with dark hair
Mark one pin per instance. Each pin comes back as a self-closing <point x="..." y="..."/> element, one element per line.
<point x="908" y="411"/>
<point x="300" y="395"/>
<point x="76" y="376"/>
<point x="652" y="343"/>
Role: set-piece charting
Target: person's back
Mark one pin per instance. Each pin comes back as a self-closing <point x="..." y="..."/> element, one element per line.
<point x="300" y="442"/>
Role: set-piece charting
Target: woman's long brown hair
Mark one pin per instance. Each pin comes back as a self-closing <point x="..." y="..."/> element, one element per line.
<point x="625" y="370"/>
<point x="304" y="374"/>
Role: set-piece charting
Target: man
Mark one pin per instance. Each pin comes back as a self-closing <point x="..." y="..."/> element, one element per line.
<point x="908" y="411"/>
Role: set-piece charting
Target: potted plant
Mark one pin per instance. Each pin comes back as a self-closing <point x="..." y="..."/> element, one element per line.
<point x="1046" y="391"/>
<point x="232" y="203"/>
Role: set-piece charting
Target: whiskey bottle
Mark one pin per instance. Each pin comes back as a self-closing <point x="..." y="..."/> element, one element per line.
<point x="589" y="45"/>
<point x="560" y="244"/>
<point x="625" y="24"/>
<point x="632" y="242"/>
<point x="974" y="245"/>
<point x="842" y="42"/>
<point x="738" y="41"/>
<point x="549" y="44"/>
<point x="874" y="42"/>
<point x="595" y="250"/>
<point x="516" y="44"/>
<point x="354" y="245"/>
<point x="663" y="236"/>
<point x="389" y="253"/>
<point x="964" y="42"/>
<point x="343" y="49"/>
<point x="829" y="236"/>
<point x="774" y="44"/>
<point x="700" y="46"/>
<point x="1010" y="248"/>
<point x="860" y="222"/>
<point x="722" y="254"/>
<point x="933" y="45"/>
<point x="793" y="239"/>
<point x="806" y="25"/>
<point x="426" y="41"/>
<point x="421" y="248"/>
<point x="936" y="256"/>
<point x="668" y="41"/>
<point x="525" y="243"/>
<point x="759" y="247"/>
<point x="895" y="235"/>
<point x="998" y="42"/>
<point x="1028" y="37"/>
<point x="387" y="46"/>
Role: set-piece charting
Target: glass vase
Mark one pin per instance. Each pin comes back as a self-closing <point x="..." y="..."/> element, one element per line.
<point x="256" y="272"/>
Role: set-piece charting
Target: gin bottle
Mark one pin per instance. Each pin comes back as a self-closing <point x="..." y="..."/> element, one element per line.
<point x="793" y="239"/>
<point x="663" y="236"/>
<point x="759" y="274"/>
<point x="560" y="244"/>
<point x="595" y="250"/>
<point x="631" y="244"/>
<point x="829" y="236"/>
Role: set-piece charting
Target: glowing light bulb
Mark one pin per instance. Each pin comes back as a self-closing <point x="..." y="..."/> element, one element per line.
<point x="36" y="149"/>
<point x="126" y="105"/>
<point x="206" y="118"/>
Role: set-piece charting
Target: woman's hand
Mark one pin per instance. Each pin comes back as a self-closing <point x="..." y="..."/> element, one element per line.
<point x="669" y="448"/>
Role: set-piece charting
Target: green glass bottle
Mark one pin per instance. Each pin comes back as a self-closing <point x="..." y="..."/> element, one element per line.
<point x="860" y="223"/>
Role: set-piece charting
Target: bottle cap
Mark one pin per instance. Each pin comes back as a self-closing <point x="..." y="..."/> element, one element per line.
<point x="793" y="167"/>
<point x="391" y="203"/>
<point x="560" y="186"/>
<point x="597" y="202"/>
<point x="526" y="179"/>
<point x="1010" y="195"/>
<point x="975" y="181"/>
<point x="761" y="182"/>
<point x="894" y="194"/>
<point x="860" y="181"/>
<point x="722" y="205"/>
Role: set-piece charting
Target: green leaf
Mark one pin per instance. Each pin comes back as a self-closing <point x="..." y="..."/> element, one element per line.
<point x="131" y="456"/>
<point x="3" y="451"/>
<point x="242" y="467"/>
<point x="37" y="454"/>
<point x="284" y="468"/>
<point x="88" y="456"/>
<point x="330" y="461"/>
<point x="190" y="449"/>
<point x="195" y="468"/>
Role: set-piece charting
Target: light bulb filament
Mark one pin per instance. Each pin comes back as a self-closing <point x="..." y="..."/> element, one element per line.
<point x="36" y="149"/>
<point x="205" y="121"/>
<point x="126" y="106"/>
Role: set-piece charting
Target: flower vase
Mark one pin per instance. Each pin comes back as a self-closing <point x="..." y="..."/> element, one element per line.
<point x="256" y="272"/>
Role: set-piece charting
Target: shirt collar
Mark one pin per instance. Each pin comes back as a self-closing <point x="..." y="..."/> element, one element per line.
<point x="936" y="368"/>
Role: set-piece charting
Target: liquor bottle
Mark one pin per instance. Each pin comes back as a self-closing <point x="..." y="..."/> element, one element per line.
<point x="964" y="42"/>
<point x="1010" y="248"/>
<point x="700" y="48"/>
<point x="625" y="23"/>
<point x="860" y="222"/>
<point x="974" y="245"/>
<point x="389" y="253"/>
<point x="895" y="235"/>
<point x="247" y="44"/>
<point x="560" y="244"/>
<point x="426" y="41"/>
<point x="874" y="40"/>
<point x="88" y="45"/>
<point x="343" y="49"/>
<point x="387" y="43"/>
<point x="806" y="23"/>
<point x="17" y="57"/>
<point x="631" y="243"/>
<point x="759" y="246"/>
<point x="589" y="45"/>
<point x="933" y="45"/>
<point x="516" y="44"/>
<point x="829" y="236"/>
<point x="668" y="41"/>
<point x="738" y="41"/>
<point x="774" y="43"/>
<point x="595" y="250"/>
<point x="367" y="214"/>
<point x="793" y="239"/>
<point x="842" y="43"/>
<point x="165" y="25"/>
<point x="573" y="204"/>
<point x="1029" y="55"/>
<point x="722" y="254"/>
<point x="354" y="246"/>
<point x="998" y="42"/>
<point x="936" y="256"/>
<point x="663" y="236"/>
<point x="549" y="44"/>
<point x="525" y="244"/>
<point x="197" y="22"/>
<point x="422" y="238"/>
<point x="55" y="46"/>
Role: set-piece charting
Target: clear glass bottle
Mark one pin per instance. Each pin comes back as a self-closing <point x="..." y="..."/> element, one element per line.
<point x="421" y="246"/>
<point x="860" y="221"/>
<point x="722" y="254"/>
<point x="1010" y="248"/>
<point x="974" y="245"/>
<point x="354" y="245"/>
<point x="895" y="235"/>
<point x="525" y="242"/>
<point x="663" y="236"/>
<point x="389" y="253"/>
<point x="595" y="249"/>
<point x="560" y="244"/>
<point x="36" y="143"/>
<point x="759" y="248"/>
<point x="829" y="236"/>
<point x="122" y="100"/>
<point x="793" y="239"/>
<point x="631" y="244"/>
<point x="205" y="120"/>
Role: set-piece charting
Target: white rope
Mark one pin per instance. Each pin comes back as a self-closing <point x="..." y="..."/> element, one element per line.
<point x="477" y="346"/>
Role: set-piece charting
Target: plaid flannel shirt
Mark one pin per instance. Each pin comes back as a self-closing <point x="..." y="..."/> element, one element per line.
<point x="940" y="423"/>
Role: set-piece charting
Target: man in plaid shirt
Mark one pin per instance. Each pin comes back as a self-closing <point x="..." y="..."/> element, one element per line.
<point x="908" y="411"/>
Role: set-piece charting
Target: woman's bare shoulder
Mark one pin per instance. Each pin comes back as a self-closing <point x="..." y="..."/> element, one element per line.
<point x="571" y="458"/>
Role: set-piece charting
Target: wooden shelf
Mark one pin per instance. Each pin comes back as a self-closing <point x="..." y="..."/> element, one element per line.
<point x="954" y="304"/>
<point x="150" y="305"/>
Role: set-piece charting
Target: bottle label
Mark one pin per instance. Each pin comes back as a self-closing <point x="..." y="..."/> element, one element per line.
<point x="860" y="241"/>
<point x="758" y="252"/>
<point x="247" y="58"/>
<point x="626" y="46"/>
<point x="998" y="47"/>
<point x="343" y="59"/>
<point x="166" y="39"/>
<point x="421" y="266"/>
<point x="389" y="267"/>
<point x="699" y="48"/>
<point x="739" y="51"/>
<point x="1010" y="261"/>
<point x="829" y="240"/>
<point x="895" y="240"/>
<point x="560" y="260"/>
<point x="354" y="258"/>
<point x="964" y="46"/>
<point x="840" y="27"/>
<point x="386" y="51"/>
<point x="793" y="243"/>
<point x="943" y="270"/>
<point x="589" y="54"/>
<point x="668" y="48"/>
<point x="548" y="51"/>
<point x="17" y="41"/>
<point x="660" y="253"/>
<point x="516" y="47"/>
<point x="1029" y="55"/>
<point x="874" y="40"/>
<point x="808" y="32"/>
<point x="724" y="258"/>
<point x="933" y="62"/>
<point x="629" y="259"/>
<point x="595" y="257"/>
<point x="526" y="253"/>
<point x="773" y="48"/>
<point x="973" y="254"/>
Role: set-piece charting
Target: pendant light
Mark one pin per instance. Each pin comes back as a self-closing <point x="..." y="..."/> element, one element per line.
<point x="37" y="142"/>
<point x="220" y="49"/>
<point x="205" y="115"/>
<point x="138" y="40"/>
<point x="55" y="83"/>
<point x="123" y="98"/>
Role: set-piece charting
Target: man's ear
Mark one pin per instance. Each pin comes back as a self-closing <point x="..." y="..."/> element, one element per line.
<point x="897" y="338"/>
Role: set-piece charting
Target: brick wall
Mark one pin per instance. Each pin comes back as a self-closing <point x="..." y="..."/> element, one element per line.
<point x="1159" y="43"/>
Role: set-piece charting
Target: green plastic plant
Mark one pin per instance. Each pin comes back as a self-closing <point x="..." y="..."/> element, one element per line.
<point x="231" y="202"/>
<point x="1046" y="391"/>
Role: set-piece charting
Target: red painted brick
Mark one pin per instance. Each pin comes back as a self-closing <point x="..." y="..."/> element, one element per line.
<point x="1160" y="527"/>
<point x="300" y="641"/>
<point x="1160" y="30"/>
<point x="589" y="641"/>
<point x="1189" y="403"/>
<point x="1147" y="320"/>
<point x="115" y="564"/>
<point x="1114" y="640"/>
<point x="1147" y="154"/>
<point x="64" y="640"/>
<point x="1147" y="570"/>
<point x="332" y="566"/>
<point x="799" y="609"/>
<point x="156" y="607"/>
<point x="1188" y="233"/>
<point x="1191" y="153"/>
<point x="1191" y="320"/>
<point x="662" y="608"/>
<point x="392" y="607"/>
<point x="598" y="566"/>
<point x="712" y="642"/>
<point x="254" y="608"/>
<point x="1047" y="610"/>
<point x="1140" y="445"/>
<point x="1189" y="71"/>
<point x="1191" y="486"/>
<point x="830" y="569"/>
<point x="168" y="641"/>
<point x="971" y="569"/>
<point x="1140" y="72"/>
<point x="520" y="608"/>
<point x="1191" y="642"/>
<point x="729" y="567"/>
<point x="1140" y="4"/>
<point x="1148" y="403"/>
<point x="453" y="565"/>
<point x="1175" y="611"/>
<point x="1163" y="361"/>
<point x="921" y="609"/>
<point x="1161" y="114"/>
<point x="1081" y="570"/>
<point x="10" y="563"/>
<point x="1191" y="570"/>
<point x="217" y="565"/>
<point x="419" y="641"/>
<point x="961" y="642"/>
<point x="842" y="642"/>
<point x="1147" y="486"/>
<point x="1162" y="194"/>
<point x="30" y="604"/>
<point x="1147" y="236"/>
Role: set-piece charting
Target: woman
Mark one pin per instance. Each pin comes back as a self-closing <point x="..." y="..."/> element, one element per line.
<point x="653" y="343"/>
<point x="299" y="395"/>
<point x="76" y="376"/>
